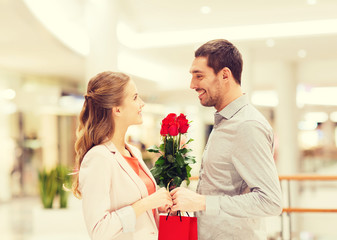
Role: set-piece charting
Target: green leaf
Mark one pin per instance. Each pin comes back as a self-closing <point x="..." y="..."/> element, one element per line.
<point x="180" y="160"/>
<point x="190" y="140"/>
<point x="185" y="150"/>
<point x="170" y="158"/>
<point x="190" y="160"/>
<point x="162" y="147"/>
<point x="188" y="181"/>
<point x="177" y="181"/>
<point x="153" y="148"/>
<point x="156" y="171"/>
<point x="160" y="161"/>
<point x="188" y="171"/>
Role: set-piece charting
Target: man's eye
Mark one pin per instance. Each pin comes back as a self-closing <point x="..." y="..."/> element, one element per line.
<point x="199" y="76"/>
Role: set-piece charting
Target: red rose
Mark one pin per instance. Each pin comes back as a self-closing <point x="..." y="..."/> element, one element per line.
<point x="173" y="129"/>
<point x="170" y="119"/>
<point x="168" y="125"/>
<point x="183" y="123"/>
<point x="164" y="129"/>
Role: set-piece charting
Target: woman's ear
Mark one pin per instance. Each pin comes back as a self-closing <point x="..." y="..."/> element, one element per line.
<point x="116" y="111"/>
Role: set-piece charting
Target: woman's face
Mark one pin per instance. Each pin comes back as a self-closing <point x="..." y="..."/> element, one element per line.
<point x="132" y="106"/>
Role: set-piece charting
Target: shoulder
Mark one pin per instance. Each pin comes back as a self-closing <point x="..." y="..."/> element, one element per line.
<point x="251" y="117"/>
<point x="253" y="125"/>
<point x="98" y="153"/>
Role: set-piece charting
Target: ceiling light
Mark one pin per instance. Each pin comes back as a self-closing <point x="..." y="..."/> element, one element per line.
<point x="325" y="96"/>
<point x="307" y="125"/>
<point x="302" y="53"/>
<point x="8" y="94"/>
<point x="316" y="117"/>
<point x="270" y="42"/>
<point x="333" y="116"/>
<point x="265" y="98"/>
<point x="205" y="9"/>
<point x="311" y="2"/>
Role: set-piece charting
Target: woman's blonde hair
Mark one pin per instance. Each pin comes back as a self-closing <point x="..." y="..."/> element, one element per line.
<point x="96" y="124"/>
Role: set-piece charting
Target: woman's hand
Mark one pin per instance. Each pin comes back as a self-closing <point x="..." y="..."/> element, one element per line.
<point x="160" y="198"/>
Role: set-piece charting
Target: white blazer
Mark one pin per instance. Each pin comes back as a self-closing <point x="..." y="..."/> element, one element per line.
<point x="109" y="187"/>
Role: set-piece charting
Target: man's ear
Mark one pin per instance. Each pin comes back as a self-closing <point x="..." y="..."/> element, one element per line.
<point x="225" y="73"/>
<point x="116" y="111"/>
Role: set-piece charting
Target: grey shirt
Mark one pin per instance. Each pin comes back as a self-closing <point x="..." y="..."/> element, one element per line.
<point x="238" y="175"/>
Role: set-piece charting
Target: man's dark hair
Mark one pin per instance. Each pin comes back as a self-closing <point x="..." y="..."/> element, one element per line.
<point x="221" y="53"/>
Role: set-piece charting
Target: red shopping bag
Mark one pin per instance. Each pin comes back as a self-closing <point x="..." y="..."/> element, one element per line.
<point x="178" y="228"/>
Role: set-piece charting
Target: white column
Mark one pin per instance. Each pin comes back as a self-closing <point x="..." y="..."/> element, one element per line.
<point x="101" y="16"/>
<point x="287" y="119"/>
<point x="286" y="134"/>
<point x="247" y="76"/>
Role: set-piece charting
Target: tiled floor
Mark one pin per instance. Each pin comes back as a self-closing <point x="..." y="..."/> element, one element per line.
<point x="25" y="219"/>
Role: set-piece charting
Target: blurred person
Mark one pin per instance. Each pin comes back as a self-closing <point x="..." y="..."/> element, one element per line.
<point x="119" y="194"/>
<point x="238" y="181"/>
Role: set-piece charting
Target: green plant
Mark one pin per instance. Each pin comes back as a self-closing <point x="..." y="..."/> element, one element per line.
<point x="63" y="180"/>
<point x="53" y="183"/>
<point x="47" y="187"/>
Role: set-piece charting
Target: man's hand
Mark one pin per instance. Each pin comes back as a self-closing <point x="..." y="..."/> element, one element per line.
<point x="187" y="200"/>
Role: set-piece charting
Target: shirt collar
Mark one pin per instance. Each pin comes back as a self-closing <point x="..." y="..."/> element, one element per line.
<point x="231" y="109"/>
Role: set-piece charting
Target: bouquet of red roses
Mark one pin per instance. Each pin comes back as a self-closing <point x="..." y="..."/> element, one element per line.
<point x="173" y="164"/>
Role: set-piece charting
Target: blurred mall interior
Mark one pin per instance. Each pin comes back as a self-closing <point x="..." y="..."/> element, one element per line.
<point x="50" y="49"/>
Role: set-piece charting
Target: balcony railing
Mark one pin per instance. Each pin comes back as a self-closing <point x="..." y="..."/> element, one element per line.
<point x="289" y="209"/>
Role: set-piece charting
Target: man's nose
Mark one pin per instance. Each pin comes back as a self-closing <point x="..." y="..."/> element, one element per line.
<point x="192" y="84"/>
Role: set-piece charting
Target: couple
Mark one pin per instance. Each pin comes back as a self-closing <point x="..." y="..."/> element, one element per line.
<point x="238" y="183"/>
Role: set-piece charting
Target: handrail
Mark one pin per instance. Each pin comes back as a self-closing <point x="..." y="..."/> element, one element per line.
<point x="309" y="210"/>
<point x="303" y="177"/>
<point x="300" y="177"/>
<point x="307" y="177"/>
<point x="288" y="210"/>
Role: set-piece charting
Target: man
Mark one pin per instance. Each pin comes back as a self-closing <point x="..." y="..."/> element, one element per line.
<point x="238" y="182"/>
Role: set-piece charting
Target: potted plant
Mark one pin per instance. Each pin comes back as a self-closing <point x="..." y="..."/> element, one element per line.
<point x="47" y="187"/>
<point x="63" y="181"/>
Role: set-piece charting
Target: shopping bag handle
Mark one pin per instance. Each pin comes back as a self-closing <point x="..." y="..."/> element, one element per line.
<point x="178" y="212"/>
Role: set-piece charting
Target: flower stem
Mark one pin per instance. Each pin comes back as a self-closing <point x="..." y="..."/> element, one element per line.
<point x="179" y="141"/>
<point x="173" y="151"/>
<point x="165" y="146"/>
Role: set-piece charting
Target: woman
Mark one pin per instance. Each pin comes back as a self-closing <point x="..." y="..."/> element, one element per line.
<point x="118" y="191"/>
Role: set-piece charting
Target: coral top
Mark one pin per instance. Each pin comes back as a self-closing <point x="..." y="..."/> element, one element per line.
<point x="134" y="163"/>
